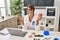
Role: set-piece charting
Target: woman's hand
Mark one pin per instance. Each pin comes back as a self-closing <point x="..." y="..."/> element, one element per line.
<point x="38" y="19"/>
<point x="22" y="22"/>
<point x="19" y="17"/>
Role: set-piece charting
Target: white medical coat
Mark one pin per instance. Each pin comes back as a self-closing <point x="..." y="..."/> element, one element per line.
<point x="28" y="24"/>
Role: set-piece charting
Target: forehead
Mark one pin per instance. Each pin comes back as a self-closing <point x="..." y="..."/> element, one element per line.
<point x="28" y="7"/>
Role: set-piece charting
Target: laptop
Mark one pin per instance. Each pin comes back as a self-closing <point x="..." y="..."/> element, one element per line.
<point x="15" y="32"/>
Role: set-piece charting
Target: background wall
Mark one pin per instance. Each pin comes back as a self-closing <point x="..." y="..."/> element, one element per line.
<point x="57" y="3"/>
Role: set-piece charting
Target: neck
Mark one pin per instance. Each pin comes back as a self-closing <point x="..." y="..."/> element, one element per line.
<point x="31" y="17"/>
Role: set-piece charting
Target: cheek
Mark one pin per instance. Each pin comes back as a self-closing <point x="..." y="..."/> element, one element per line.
<point x="28" y="12"/>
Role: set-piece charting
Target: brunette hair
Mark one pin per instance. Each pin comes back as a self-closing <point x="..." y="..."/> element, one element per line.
<point x="31" y="7"/>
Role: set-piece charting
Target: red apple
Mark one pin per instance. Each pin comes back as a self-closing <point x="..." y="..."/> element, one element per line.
<point x="40" y="15"/>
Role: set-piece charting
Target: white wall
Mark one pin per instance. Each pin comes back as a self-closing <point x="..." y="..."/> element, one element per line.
<point x="57" y="3"/>
<point x="8" y="7"/>
<point x="4" y="7"/>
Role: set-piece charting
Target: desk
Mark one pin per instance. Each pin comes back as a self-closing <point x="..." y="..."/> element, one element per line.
<point x="10" y="37"/>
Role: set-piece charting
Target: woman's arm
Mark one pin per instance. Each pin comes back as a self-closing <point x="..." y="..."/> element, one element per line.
<point x="37" y="22"/>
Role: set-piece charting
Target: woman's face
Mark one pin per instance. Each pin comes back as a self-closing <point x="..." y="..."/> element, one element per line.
<point x="30" y="11"/>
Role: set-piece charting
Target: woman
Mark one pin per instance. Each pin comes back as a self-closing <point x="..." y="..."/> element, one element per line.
<point x="30" y="20"/>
